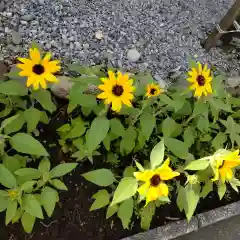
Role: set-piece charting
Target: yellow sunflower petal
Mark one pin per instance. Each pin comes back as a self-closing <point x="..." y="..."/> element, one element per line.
<point x="163" y="189"/>
<point x="208" y="87"/>
<point x="144" y="176"/>
<point x="24" y="60"/>
<point x="36" y="85"/>
<point x="43" y="83"/>
<point x="198" y="92"/>
<point x="165" y="172"/>
<point x="51" y="78"/>
<point x="24" y="73"/>
<point x="116" y="105"/>
<point x="144" y="188"/>
<point x="30" y="81"/>
<point x="127" y="102"/>
<point x="103" y="95"/>
<point x="35" y="55"/>
<point x="199" y="68"/>
<point x="47" y="56"/>
<point x="153" y="194"/>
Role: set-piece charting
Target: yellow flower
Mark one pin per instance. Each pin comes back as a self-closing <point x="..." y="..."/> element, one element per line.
<point x="38" y="70"/>
<point x="154" y="186"/>
<point x="13" y="194"/>
<point x="224" y="165"/>
<point x="201" y="79"/>
<point x="153" y="90"/>
<point x="117" y="90"/>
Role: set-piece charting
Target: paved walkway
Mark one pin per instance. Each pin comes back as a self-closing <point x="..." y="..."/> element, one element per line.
<point x="225" y="230"/>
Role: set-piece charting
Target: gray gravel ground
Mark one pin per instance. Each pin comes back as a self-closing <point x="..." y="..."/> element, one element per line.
<point x="144" y="34"/>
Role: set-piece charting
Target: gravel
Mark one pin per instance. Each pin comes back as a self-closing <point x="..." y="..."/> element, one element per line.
<point x="162" y="32"/>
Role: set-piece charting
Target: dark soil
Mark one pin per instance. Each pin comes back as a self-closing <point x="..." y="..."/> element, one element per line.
<point x="73" y="221"/>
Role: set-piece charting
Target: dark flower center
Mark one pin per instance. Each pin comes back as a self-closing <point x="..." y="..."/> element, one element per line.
<point x="155" y="180"/>
<point x="201" y="80"/>
<point x="117" y="90"/>
<point x="153" y="91"/>
<point x="38" y="69"/>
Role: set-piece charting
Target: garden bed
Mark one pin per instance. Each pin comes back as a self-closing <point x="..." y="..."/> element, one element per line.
<point x="73" y="220"/>
<point x="147" y="155"/>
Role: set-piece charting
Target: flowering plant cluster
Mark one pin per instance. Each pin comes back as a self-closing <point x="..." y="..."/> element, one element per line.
<point x="157" y="141"/>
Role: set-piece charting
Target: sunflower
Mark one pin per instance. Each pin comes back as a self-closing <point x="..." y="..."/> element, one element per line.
<point x="201" y="79"/>
<point x="224" y="164"/>
<point x="117" y="90"/>
<point x="38" y="70"/>
<point x="154" y="186"/>
<point x="153" y="90"/>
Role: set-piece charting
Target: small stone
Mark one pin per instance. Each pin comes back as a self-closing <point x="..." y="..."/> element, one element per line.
<point x="85" y="45"/>
<point x="133" y="55"/>
<point x="2" y="6"/>
<point x="99" y="35"/>
<point x="233" y="81"/>
<point x="28" y="17"/>
<point x="3" y="70"/>
<point x="41" y="2"/>
<point x="62" y="88"/>
<point x="16" y="38"/>
<point x="78" y="45"/>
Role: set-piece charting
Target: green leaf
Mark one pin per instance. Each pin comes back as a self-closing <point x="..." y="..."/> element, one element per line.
<point x="148" y="123"/>
<point x="117" y="127"/>
<point x="84" y="100"/>
<point x="125" y="212"/>
<point x="221" y="190"/>
<point x="170" y="128"/>
<point x="192" y="197"/>
<point x="127" y="143"/>
<point x="12" y="163"/>
<point x="17" y="216"/>
<point x="15" y="125"/>
<point x="96" y="133"/>
<point x="44" y="165"/>
<point x="32" y="206"/>
<point x="125" y="189"/>
<point x="28" y="186"/>
<point x="181" y="198"/>
<point x="128" y="171"/>
<point x="139" y="166"/>
<point x="11" y="211"/>
<point x="62" y="169"/>
<point x="88" y="80"/>
<point x="207" y="188"/>
<point x="147" y="214"/>
<point x="220" y="105"/>
<point x="189" y="136"/>
<point x="49" y="198"/>
<point x="111" y="210"/>
<point x="44" y="98"/>
<point x="177" y="147"/>
<point x="64" y="128"/>
<point x="101" y="199"/>
<point x="77" y="131"/>
<point x="197" y="165"/>
<point x="71" y="108"/>
<point x="7" y="179"/>
<point x="200" y="108"/>
<point x="13" y="88"/>
<point x="219" y="140"/>
<point x="32" y="117"/>
<point x="8" y="121"/>
<point x="59" y="184"/>
<point x="101" y="177"/>
<point x="28" y="222"/>
<point x="3" y="202"/>
<point x="29" y="172"/>
<point x="25" y="143"/>
<point x="157" y="155"/>
<point x="203" y="124"/>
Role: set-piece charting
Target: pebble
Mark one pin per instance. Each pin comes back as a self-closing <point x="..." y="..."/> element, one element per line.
<point x="133" y="55"/>
<point x="16" y="38"/>
<point x="41" y="2"/>
<point x="28" y="17"/>
<point x="99" y="35"/>
<point x="86" y="45"/>
<point x="62" y="88"/>
<point x="233" y="81"/>
<point x="3" y="70"/>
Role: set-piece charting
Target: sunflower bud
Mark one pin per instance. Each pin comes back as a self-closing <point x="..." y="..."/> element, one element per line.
<point x="192" y="179"/>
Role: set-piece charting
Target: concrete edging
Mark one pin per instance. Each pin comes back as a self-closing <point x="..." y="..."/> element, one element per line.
<point x="182" y="227"/>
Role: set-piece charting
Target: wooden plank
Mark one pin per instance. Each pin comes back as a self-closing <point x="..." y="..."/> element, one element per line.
<point x="225" y="24"/>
